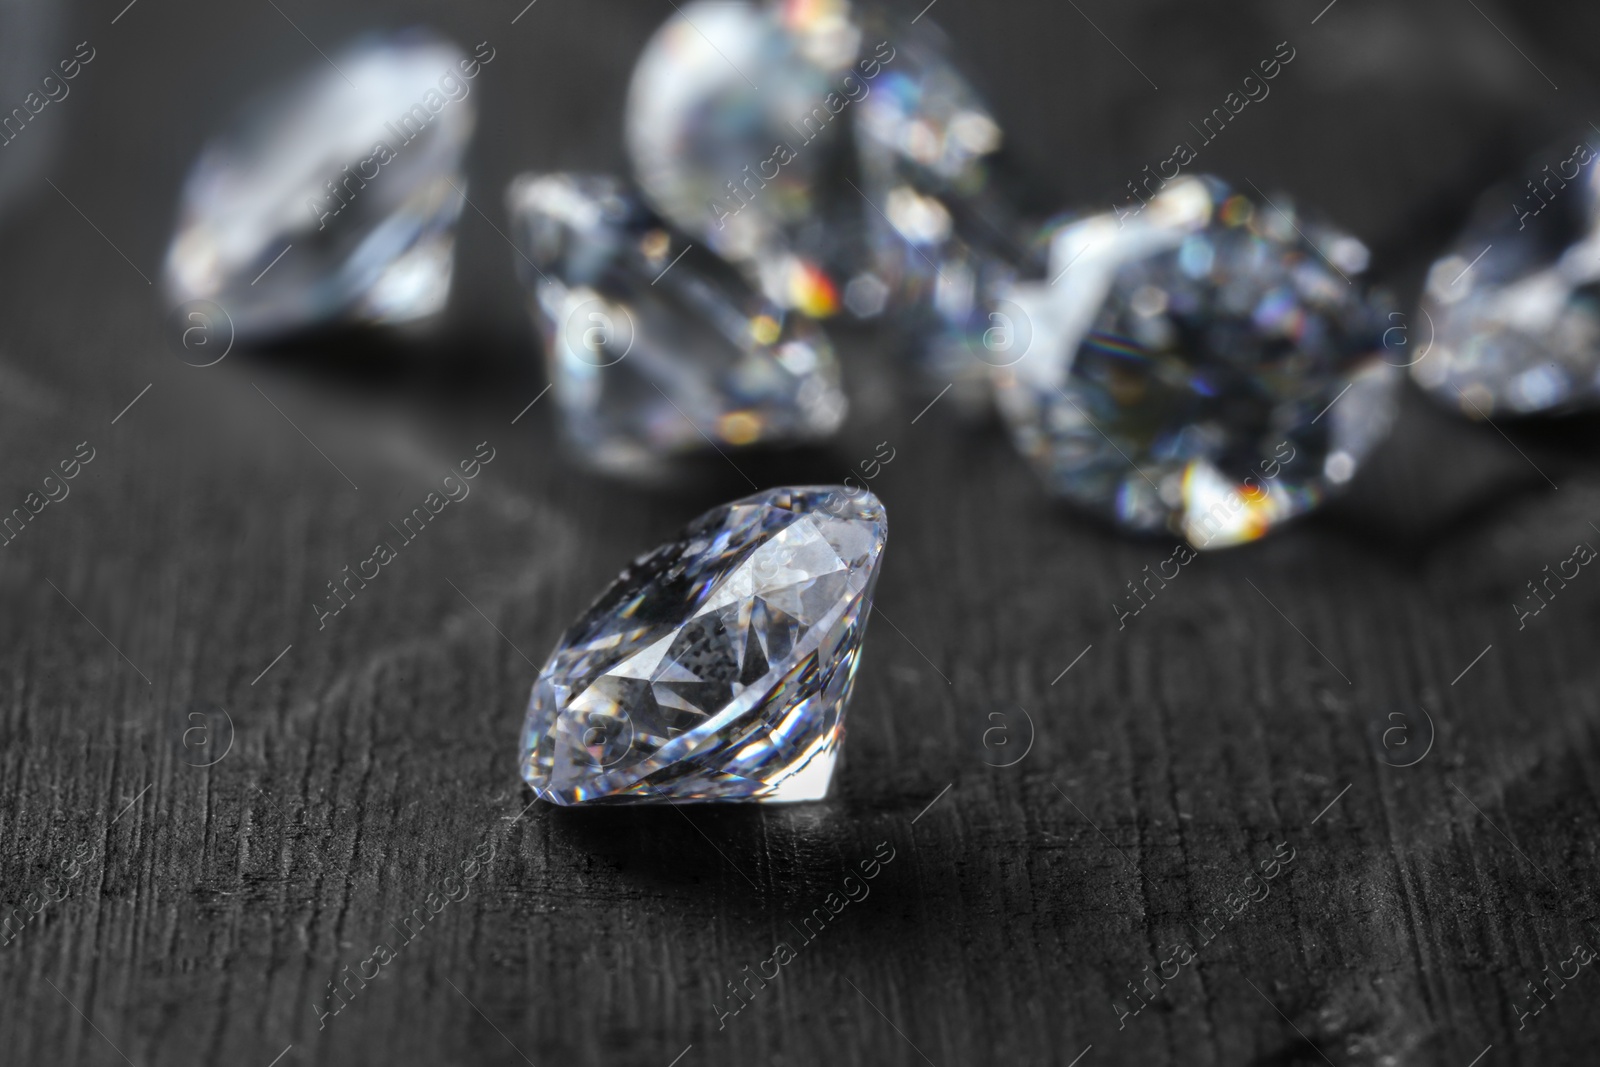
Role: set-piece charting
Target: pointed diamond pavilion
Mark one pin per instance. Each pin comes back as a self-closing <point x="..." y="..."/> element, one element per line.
<point x="718" y="666"/>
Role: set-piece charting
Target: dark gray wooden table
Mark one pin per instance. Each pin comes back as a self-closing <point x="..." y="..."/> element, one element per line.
<point x="231" y="809"/>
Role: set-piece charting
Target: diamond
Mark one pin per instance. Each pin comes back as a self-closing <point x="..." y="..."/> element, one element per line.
<point x="758" y="175"/>
<point x="718" y="666"/>
<point x="1515" y="305"/>
<point x="1207" y="367"/>
<point x="656" y="346"/>
<point x="864" y="173"/>
<point x="946" y="235"/>
<point x="335" y="197"/>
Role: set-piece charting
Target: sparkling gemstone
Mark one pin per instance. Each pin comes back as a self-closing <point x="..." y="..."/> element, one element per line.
<point x="942" y="224"/>
<point x="718" y="666"/>
<point x="735" y="132"/>
<point x="334" y="198"/>
<point x="860" y="174"/>
<point x="656" y="346"/>
<point x="1209" y="366"/>
<point x="1513" y="310"/>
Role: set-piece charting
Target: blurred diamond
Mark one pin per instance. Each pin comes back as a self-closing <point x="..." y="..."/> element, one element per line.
<point x="758" y="175"/>
<point x="1514" y="307"/>
<point x="1200" y="367"/>
<point x="656" y="346"/>
<point x="335" y="198"/>
<point x="944" y="233"/>
<point x="860" y="175"/>
<point x="718" y="666"/>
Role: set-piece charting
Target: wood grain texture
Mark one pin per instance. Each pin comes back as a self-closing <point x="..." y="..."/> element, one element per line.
<point x="214" y="883"/>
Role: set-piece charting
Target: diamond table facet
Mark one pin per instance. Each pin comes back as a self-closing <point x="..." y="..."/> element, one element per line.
<point x="717" y="667"/>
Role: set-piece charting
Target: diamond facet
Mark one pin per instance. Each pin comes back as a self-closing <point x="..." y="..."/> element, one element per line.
<point x="334" y="198"/>
<point x="718" y="666"/>
<point x="1515" y="305"/>
<point x="655" y="346"/>
<point x="1208" y="367"/>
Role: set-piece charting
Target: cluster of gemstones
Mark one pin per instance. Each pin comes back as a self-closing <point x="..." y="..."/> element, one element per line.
<point x="1211" y="364"/>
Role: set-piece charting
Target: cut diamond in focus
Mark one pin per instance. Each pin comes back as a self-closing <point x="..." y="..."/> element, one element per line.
<point x="656" y="346"/>
<point x="1210" y="367"/>
<point x="335" y="198"/>
<point x="718" y="666"/>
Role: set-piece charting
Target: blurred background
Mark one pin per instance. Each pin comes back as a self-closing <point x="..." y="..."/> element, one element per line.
<point x="225" y="877"/>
